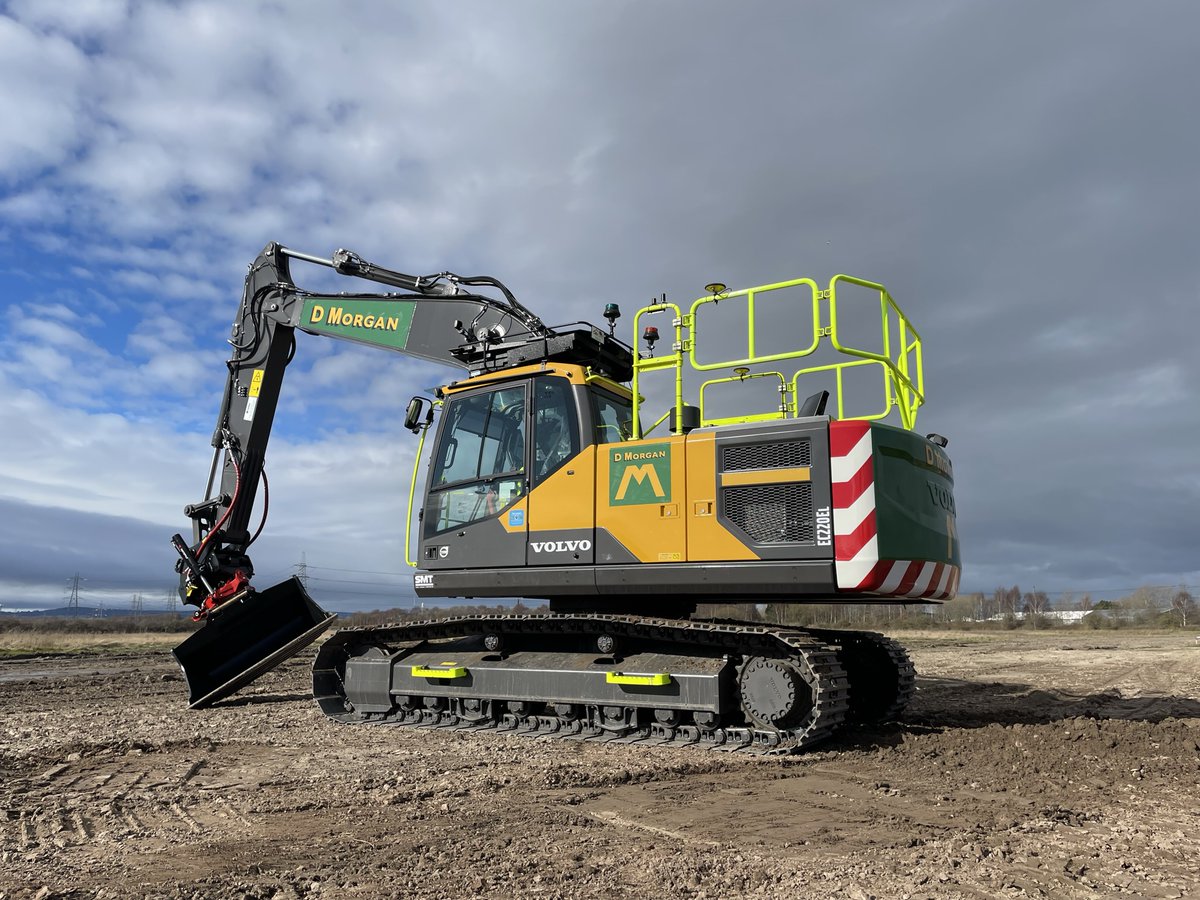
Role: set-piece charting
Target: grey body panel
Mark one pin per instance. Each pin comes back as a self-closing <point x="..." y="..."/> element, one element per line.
<point x="609" y="550"/>
<point x="481" y="544"/>
<point x="524" y="581"/>
<point x="721" y="578"/>
<point x="562" y="547"/>
<point x="742" y="580"/>
<point x="785" y="508"/>
<point x="543" y="676"/>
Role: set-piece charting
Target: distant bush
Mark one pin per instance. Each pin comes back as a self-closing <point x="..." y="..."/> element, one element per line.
<point x="164" y="623"/>
<point x="743" y="612"/>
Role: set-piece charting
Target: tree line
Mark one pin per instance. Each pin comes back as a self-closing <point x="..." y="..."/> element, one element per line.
<point x="1010" y="607"/>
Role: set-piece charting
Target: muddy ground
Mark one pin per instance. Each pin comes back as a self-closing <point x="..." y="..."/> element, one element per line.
<point x="1029" y="764"/>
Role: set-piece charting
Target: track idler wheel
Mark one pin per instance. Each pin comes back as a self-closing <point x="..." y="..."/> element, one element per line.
<point x="775" y="693"/>
<point x="881" y="676"/>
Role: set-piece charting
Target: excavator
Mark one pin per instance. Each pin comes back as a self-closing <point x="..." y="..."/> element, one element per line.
<point x="543" y="482"/>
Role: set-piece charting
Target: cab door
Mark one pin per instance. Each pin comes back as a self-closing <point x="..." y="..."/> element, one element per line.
<point x="562" y="497"/>
<point x="477" y="480"/>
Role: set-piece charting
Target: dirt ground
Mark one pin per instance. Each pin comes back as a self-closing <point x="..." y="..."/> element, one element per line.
<point x="1029" y="764"/>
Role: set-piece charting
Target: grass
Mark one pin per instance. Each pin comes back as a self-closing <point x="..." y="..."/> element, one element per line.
<point x="38" y="642"/>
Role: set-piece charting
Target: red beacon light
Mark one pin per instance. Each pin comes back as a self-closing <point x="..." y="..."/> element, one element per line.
<point x="650" y="336"/>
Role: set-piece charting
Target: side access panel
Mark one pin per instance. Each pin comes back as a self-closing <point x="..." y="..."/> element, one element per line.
<point x="760" y="491"/>
<point x="481" y="544"/>
<point x="560" y="515"/>
<point x="641" y="489"/>
<point x="707" y="538"/>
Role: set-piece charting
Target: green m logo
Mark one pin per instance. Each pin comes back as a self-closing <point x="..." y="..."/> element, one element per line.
<point x="642" y="475"/>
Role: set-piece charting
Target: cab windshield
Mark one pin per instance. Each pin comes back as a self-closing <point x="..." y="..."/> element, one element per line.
<point x="479" y="463"/>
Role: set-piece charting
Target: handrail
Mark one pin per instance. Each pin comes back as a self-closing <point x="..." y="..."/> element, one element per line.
<point x="650" y="363"/>
<point x="751" y="294"/>
<point x="900" y="356"/>
<point x="784" y="404"/>
<point x="900" y="390"/>
<point x="412" y="490"/>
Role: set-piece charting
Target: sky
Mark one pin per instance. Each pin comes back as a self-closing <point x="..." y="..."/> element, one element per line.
<point x="1021" y="175"/>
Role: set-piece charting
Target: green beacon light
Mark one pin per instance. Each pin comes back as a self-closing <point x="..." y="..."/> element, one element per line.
<point x="612" y="312"/>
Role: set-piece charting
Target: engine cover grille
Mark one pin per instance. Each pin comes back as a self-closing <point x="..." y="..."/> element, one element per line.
<point x="777" y="455"/>
<point x="772" y="513"/>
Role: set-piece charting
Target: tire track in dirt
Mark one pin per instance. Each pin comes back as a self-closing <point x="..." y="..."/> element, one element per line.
<point x="141" y="795"/>
<point x="1041" y="784"/>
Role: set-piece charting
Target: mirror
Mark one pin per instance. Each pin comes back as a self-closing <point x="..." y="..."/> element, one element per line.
<point x="412" y="418"/>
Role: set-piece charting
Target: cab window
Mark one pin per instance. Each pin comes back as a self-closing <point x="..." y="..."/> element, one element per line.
<point x="555" y="429"/>
<point x="613" y="417"/>
<point x="479" y="463"/>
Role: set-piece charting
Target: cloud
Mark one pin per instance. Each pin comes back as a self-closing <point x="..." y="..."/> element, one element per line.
<point x="102" y="494"/>
<point x="1025" y="191"/>
<point x="41" y="74"/>
<point x="74" y="18"/>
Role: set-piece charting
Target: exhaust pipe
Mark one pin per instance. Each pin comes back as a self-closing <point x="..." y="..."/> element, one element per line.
<point x="247" y="637"/>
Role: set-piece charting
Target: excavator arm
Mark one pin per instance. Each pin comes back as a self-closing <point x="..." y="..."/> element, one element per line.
<point x="437" y="317"/>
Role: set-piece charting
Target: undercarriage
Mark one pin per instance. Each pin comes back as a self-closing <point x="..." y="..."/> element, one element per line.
<point x="718" y="684"/>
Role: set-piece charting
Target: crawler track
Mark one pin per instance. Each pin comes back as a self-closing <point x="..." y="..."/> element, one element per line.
<point x="815" y="665"/>
<point x="881" y="675"/>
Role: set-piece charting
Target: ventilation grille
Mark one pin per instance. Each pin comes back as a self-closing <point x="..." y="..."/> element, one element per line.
<point x="772" y="513"/>
<point x="781" y="455"/>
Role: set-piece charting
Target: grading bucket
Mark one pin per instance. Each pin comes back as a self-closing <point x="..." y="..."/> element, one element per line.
<point x="247" y="637"/>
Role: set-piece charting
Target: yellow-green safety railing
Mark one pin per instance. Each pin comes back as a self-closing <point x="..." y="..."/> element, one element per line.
<point x="900" y="357"/>
<point x="412" y="491"/>
<point x="652" y="363"/>
<point x="785" y="403"/>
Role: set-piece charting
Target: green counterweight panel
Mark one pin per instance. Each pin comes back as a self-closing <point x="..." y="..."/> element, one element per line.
<point x="914" y="498"/>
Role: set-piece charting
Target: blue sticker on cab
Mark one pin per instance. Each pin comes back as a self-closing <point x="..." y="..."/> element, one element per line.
<point x="516" y="517"/>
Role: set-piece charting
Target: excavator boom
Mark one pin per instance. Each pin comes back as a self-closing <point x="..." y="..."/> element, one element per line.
<point x="437" y="317"/>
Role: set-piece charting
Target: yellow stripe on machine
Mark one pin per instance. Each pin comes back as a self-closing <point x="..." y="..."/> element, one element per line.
<point x="656" y="679"/>
<point x="766" y="476"/>
<point x="451" y="671"/>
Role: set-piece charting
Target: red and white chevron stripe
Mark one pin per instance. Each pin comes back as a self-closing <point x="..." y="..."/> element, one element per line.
<point x="856" y="545"/>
